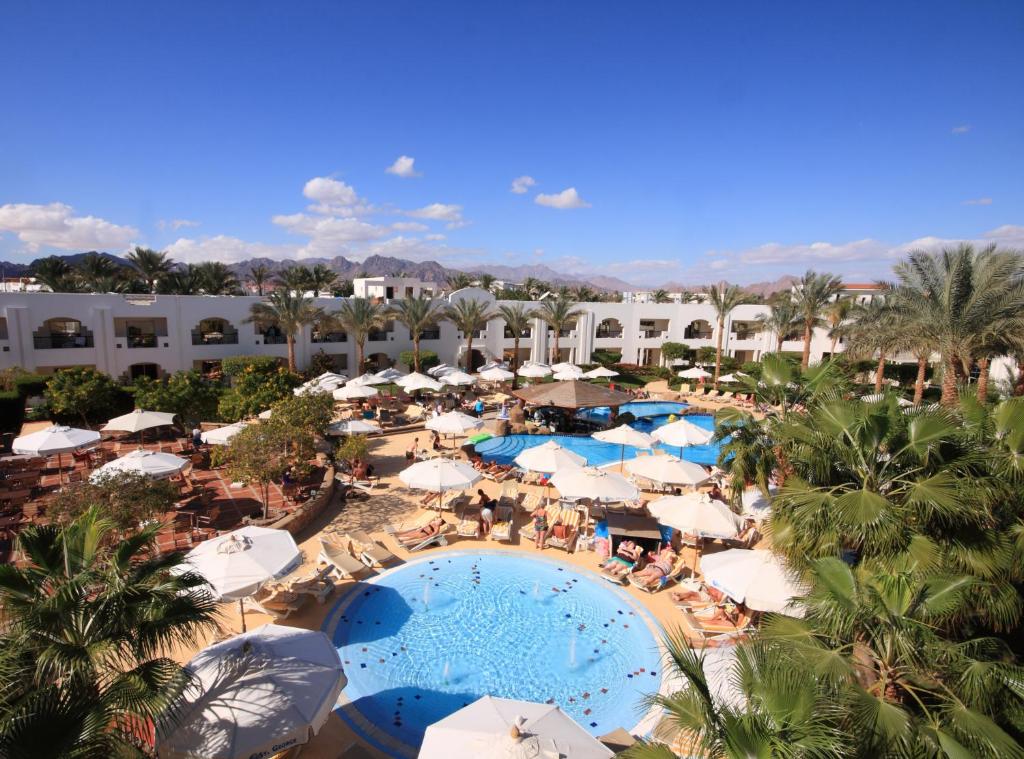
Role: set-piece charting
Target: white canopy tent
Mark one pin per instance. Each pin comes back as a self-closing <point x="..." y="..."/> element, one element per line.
<point x="150" y="463"/>
<point x="257" y="694"/>
<point x="499" y="728"/>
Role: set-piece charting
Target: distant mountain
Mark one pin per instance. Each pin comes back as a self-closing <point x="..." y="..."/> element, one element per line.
<point x="763" y="289"/>
<point x="518" y="274"/>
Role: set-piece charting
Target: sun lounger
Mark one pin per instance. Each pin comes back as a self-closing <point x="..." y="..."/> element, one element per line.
<point x="337" y="555"/>
<point x="661" y="582"/>
<point x="369" y="551"/>
<point x="418" y="543"/>
<point x="509" y="495"/>
<point x="528" y="531"/>
<point x="705" y="629"/>
<point x="711" y="395"/>
<point x="453" y="500"/>
<point x="615" y="577"/>
<point x="699" y="392"/>
<point x="726" y="397"/>
<point x="504" y="523"/>
<point x="570" y="520"/>
<point x="275" y="601"/>
<point x="469" y="524"/>
<point x="318" y="585"/>
<point x="530" y="502"/>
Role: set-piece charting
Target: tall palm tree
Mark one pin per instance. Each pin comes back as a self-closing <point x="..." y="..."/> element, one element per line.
<point x="959" y="297"/>
<point x="558" y="313"/>
<point x="458" y="281"/>
<point x="836" y="314"/>
<point x="90" y="624"/>
<point x="780" y="319"/>
<point x="582" y="294"/>
<point x="661" y="296"/>
<point x="723" y="299"/>
<point x="486" y="282"/>
<point x="812" y="294"/>
<point x="289" y="312"/>
<point x="295" y="278"/>
<point x="55" y="273"/>
<point x="875" y="328"/>
<point x="184" y="280"/>
<point x="216" y="278"/>
<point x="468" y="316"/>
<point x="321" y="278"/>
<point x="151" y="265"/>
<point x="98" y="272"/>
<point x="535" y="287"/>
<point x="418" y="314"/>
<point x="359" y="317"/>
<point x="518" y="318"/>
<point x="259" y="274"/>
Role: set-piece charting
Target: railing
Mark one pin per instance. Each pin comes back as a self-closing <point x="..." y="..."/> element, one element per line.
<point x="649" y="333"/>
<point x="62" y="341"/>
<point x="696" y="335"/>
<point x="428" y="334"/>
<point x="142" y="341"/>
<point x="608" y="333"/>
<point x="745" y="335"/>
<point x="376" y="337"/>
<point x="479" y="333"/>
<point x="565" y="332"/>
<point x="214" y="338"/>
<point x="509" y="334"/>
<point x="274" y="339"/>
<point x="329" y="337"/>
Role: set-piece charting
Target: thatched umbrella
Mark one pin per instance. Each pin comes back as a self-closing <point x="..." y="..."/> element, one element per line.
<point x="572" y="394"/>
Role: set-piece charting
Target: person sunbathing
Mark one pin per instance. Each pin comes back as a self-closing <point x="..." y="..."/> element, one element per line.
<point x="659" y="568"/>
<point x="429" y="498"/>
<point x="700" y="596"/>
<point x="429" y="530"/>
<point x="729" y="614"/>
<point x="630" y="551"/>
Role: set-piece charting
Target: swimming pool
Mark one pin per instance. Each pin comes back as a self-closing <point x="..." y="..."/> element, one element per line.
<point x="649" y="414"/>
<point x="425" y="639"/>
<point x="504" y="449"/>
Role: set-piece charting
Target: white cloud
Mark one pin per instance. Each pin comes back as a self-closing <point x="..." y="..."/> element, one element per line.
<point x="55" y="226"/>
<point x="333" y="196"/>
<point x="409" y="226"/>
<point x="978" y="202"/>
<point x="448" y="212"/>
<point x="176" y="223"/>
<point x="329" y="235"/>
<point x="962" y="129"/>
<point x="403" y="167"/>
<point x="226" y="249"/>
<point x="520" y="185"/>
<point x="435" y="237"/>
<point x="563" y="200"/>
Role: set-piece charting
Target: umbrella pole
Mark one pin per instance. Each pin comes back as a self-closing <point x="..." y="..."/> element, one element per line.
<point x="241" y="612"/>
<point x="60" y="468"/>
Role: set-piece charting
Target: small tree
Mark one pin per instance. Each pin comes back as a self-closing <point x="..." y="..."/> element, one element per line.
<point x="354" y="447"/>
<point x="321" y="362"/>
<point x="705" y="355"/>
<point x="675" y="351"/>
<point x="127" y="499"/>
<point x="428" y="359"/>
<point x="257" y="455"/>
<point x="81" y="393"/>
<point x="186" y="394"/>
<point x="303" y="418"/>
<point x="255" y="386"/>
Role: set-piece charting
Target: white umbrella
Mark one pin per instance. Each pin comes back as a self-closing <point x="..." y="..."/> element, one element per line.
<point x="353" y="427"/>
<point x="390" y="374"/>
<point x="600" y="371"/>
<point x="138" y="420"/>
<point x="237" y="564"/>
<point x="755" y="504"/>
<point x="331" y="377"/>
<point x="439" y="370"/>
<point x="496" y="374"/>
<point x="458" y="377"/>
<point x="667" y="470"/>
<point x="310" y="388"/>
<point x="534" y="370"/>
<point x="222" y="435"/>
<point x="758" y="579"/>
<point x="694" y="373"/>
<point x="454" y="423"/>
<point x="728" y="378"/>
<point x="622" y="436"/>
<point x="565" y="366"/>
<point x="596" y="484"/>
<point x="368" y="379"/>
<point x="741" y="374"/>
<point x="151" y="463"/>
<point x="568" y="374"/>
<point x="257" y="694"/>
<point x="416" y="381"/>
<point x="500" y="728"/>
<point x="548" y="458"/>
<point x="57" y="439"/>
<point x="439" y="475"/>
<point x="696" y="514"/>
<point x="351" y="392"/>
<point x="682" y="433"/>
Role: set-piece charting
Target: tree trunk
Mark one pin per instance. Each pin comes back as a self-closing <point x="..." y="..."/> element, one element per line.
<point x="718" y="351"/>
<point x="778" y="342"/>
<point x="806" y="360"/>
<point x="1018" y="385"/>
<point x="553" y="357"/>
<point x="515" y="361"/>
<point x="922" y="368"/>
<point x="416" y="353"/>
<point x="290" y="339"/>
<point x="469" y="353"/>
<point x="949" y="396"/>
<point x="832" y="349"/>
<point x="880" y="372"/>
<point x="983" y="367"/>
<point x="360" y="346"/>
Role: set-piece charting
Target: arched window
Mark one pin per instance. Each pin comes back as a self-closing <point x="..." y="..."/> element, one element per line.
<point x="62" y="332"/>
<point x="214" y="330"/>
<point x="609" y="328"/>
<point x="699" y="329"/>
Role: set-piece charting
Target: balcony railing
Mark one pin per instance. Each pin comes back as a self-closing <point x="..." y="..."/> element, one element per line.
<point x="62" y="341"/>
<point x="428" y="334"/>
<point x="608" y="333"/>
<point x="329" y="337"/>
<point x="214" y="338"/>
<point x="745" y="335"/>
<point x="697" y="335"/>
<point x="649" y="333"/>
<point x="141" y="341"/>
<point x="275" y="339"/>
<point x="565" y="332"/>
<point x="376" y="337"/>
<point x="509" y="334"/>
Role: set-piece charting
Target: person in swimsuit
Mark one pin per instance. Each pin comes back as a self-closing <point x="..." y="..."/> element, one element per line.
<point x="428" y="530"/>
<point x="625" y="559"/>
<point x="659" y="568"/>
<point x="540" y="526"/>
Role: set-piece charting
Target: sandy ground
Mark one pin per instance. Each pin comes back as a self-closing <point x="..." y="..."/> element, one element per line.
<point x="371" y="514"/>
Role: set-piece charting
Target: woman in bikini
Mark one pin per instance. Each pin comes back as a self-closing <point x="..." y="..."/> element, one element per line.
<point x="625" y="559"/>
<point x="660" y="567"/>
<point x="428" y="530"/>
<point x="540" y="526"/>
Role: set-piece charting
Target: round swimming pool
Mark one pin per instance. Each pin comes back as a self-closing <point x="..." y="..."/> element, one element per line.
<point x="504" y="449"/>
<point x="425" y="639"/>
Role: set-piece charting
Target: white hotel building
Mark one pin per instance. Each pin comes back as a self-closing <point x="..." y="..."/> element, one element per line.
<point x="132" y="335"/>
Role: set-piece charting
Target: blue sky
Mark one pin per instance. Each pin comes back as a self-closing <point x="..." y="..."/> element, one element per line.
<point x="666" y="141"/>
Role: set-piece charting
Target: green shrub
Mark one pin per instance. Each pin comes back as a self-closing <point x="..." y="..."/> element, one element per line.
<point x="235" y="365"/>
<point x="30" y="384"/>
<point x="82" y="394"/>
<point x="319" y="363"/>
<point x="606" y="357"/>
<point x="428" y="359"/>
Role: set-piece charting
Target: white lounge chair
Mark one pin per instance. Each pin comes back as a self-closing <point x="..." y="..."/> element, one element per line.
<point x="504" y="523"/>
<point x="469" y="524"/>
<point x="418" y="543"/>
<point x="369" y="551"/>
<point x="337" y="556"/>
<point x="275" y="601"/>
<point x="319" y="585"/>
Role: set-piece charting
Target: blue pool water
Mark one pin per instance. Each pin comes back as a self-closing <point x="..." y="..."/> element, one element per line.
<point x="421" y="641"/>
<point x="504" y="449"/>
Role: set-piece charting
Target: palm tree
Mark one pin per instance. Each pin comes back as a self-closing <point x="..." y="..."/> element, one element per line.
<point x="836" y="314"/>
<point x="812" y="294"/>
<point x="582" y="294"/>
<point x="321" y="277"/>
<point x="723" y="299"/>
<point x="875" y="328"/>
<point x="959" y="299"/>
<point x="295" y="278"/>
<point x="661" y="296"/>
<point x="55" y="273"/>
<point x="535" y="287"/>
<point x="359" y="317"/>
<point x="216" y="278"/>
<point x="780" y="320"/>
<point x="90" y="623"/>
<point x="258" y="275"/>
<point x="289" y="312"/>
<point x="468" y="316"/>
<point x="151" y="265"/>
<point x="517" y="319"/>
<point x="458" y="281"/>
<point x="184" y="280"/>
<point x="98" y="272"/>
<point x="486" y="282"/>
<point x="418" y="314"/>
<point x="558" y="313"/>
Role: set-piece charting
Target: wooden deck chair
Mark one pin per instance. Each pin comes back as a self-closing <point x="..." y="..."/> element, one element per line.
<point x="504" y="523"/>
<point x="369" y="551"/>
<point x="469" y="524"/>
<point x="319" y="585"/>
<point x="275" y="601"/>
<point x="654" y="586"/>
<point x="704" y="629"/>
<point x="564" y="533"/>
<point x="336" y="554"/>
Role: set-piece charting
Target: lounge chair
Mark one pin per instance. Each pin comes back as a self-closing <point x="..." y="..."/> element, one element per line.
<point x="469" y="524"/>
<point x="504" y="523"/>
<point x="369" y="551"/>
<point x="712" y="395"/>
<point x="706" y="630"/>
<point x="509" y="495"/>
<point x="570" y="520"/>
<point x="726" y="397"/>
<point x="275" y="601"/>
<point x="663" y="581"/>
<point x="529" y="533"/>
<point x="530" y="502"/>
<point x="418" y="543"/>
<point x="318" y="585"/>
<point x="338" y="557"/>
<point x="699" y="392"/>
<point x="453" y="500"/>
<point x="615" y="577"/>
<point x="746" y="539"/>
